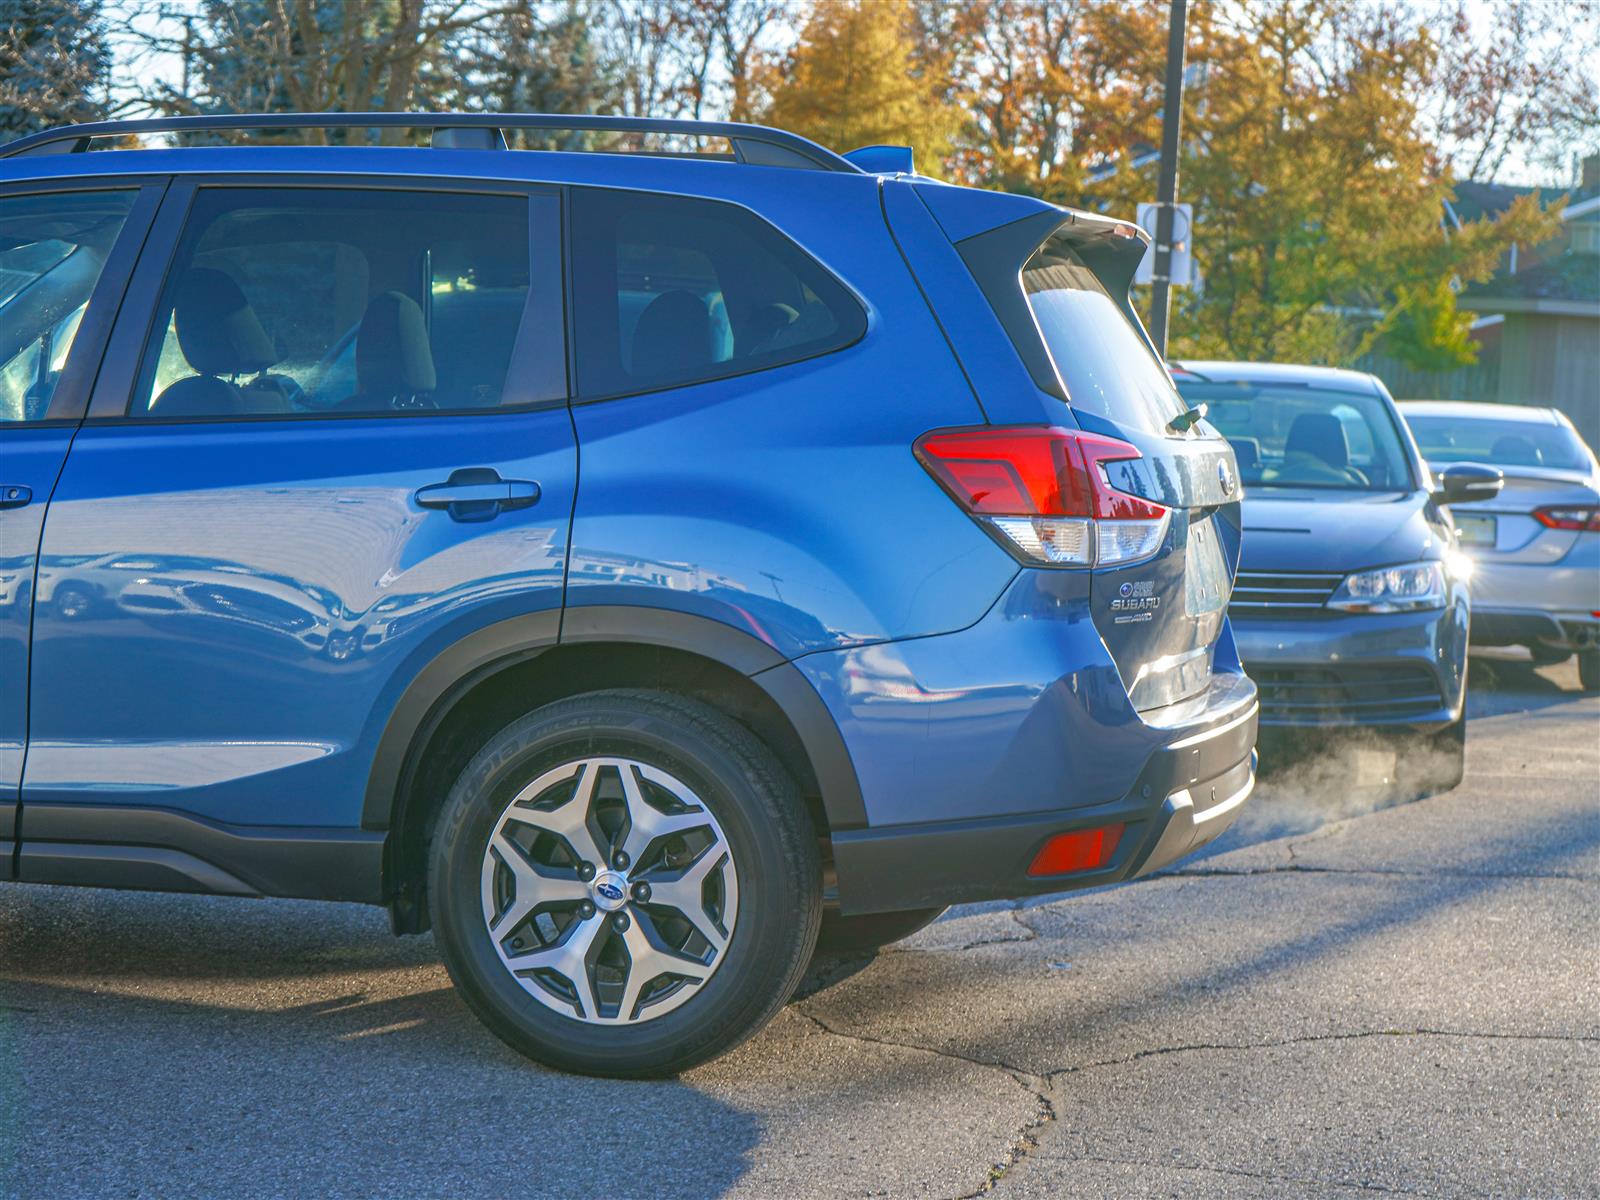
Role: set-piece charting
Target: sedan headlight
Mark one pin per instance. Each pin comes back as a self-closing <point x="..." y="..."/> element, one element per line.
<point x="1392" y="589"/>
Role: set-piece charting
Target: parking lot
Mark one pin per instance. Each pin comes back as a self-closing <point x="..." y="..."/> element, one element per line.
<point x="1335" y="1002"/>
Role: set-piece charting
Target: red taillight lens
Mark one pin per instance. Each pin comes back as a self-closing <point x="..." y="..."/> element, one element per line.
<point x="1578" y="517"/>
<point x="1081" y="850"/>
<point x="1044" y="490"/>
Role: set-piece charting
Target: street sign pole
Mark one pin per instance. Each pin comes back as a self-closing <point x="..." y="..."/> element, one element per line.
<point x="1167" y="186"/>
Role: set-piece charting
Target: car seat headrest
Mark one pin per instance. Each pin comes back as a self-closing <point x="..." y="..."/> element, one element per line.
<point x="218" y="331"/>
<point x="1320" y="435"/>
<point x="393" y="356"/>
<point x="673" y="335"/>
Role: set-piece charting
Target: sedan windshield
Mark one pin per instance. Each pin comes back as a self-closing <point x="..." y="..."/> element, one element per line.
<point x="1302" y="437"/>
<point x="1499" y="443"/>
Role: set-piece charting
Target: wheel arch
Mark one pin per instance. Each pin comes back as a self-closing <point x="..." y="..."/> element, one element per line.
<point x="487" y="679"/>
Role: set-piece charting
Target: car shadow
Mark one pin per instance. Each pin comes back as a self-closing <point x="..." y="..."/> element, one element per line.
<point x="169" y="1010"/>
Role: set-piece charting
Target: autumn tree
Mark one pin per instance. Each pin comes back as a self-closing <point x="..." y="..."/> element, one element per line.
<point x="530" y="57"/>
<point x="54" y="64"/>
<point x="1318" y="198"/>
<point x="854" y="78"/>
<point x="1510" y="81"/>
<point x="313" y="55"/>
<point x="1049" y="89"/>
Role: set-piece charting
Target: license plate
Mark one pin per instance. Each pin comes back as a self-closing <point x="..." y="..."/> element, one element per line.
<point x="1475" y="530"/>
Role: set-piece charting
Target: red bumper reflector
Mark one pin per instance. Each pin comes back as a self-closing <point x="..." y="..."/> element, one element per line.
<point x="1080" y="850"/>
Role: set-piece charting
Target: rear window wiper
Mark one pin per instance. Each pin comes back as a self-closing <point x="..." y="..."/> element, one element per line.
<point x="1187" y="419"/>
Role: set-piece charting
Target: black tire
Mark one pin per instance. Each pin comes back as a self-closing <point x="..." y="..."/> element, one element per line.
<point x="1589" y="670"/>
<point x="769" y="835"/>
<point x="870" y="931"/>
<point x="73" y="603"/>
<point x="1548" y="656"/>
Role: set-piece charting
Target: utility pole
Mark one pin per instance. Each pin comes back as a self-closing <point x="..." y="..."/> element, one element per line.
<point x="1167" y="186"/>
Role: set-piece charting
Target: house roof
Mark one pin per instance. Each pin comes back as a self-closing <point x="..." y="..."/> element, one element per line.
<point x="1473" y="200"/>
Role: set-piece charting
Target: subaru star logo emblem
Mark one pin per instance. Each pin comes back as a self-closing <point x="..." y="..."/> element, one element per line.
<point x="1126" y="589"/>
<point x="609" y="890"/>
<point x="1225" y="476"/>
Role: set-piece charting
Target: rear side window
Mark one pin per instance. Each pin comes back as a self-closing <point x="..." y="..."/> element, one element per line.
<point x="1104" y="364"/>
<point x="670" y="291"/>
<point x="305" y="302"/>
<point x="52" y="250"/>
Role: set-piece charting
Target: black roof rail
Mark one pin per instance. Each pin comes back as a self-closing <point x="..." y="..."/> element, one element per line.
<point x="755" y="144"/>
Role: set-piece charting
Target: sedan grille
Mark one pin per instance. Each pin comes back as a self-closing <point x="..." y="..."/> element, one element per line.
<point x="1337" y="695"/>
<point x="1281" y="593"/>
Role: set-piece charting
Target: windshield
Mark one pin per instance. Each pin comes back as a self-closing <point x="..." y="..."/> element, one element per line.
<point x="1104" y="364"/>
<point x="1301" y="437"/>
<point x="1499" y="443"/>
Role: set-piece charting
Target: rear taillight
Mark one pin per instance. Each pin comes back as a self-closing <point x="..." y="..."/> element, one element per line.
<point x="1044" y="492"/>
<point x="1579" y="517"/>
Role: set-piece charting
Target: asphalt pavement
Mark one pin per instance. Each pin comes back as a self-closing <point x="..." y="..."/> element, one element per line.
<point x="1337" y="1001"/>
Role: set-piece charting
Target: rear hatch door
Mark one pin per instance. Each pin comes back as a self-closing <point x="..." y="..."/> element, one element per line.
<point x="1161" y="614"/>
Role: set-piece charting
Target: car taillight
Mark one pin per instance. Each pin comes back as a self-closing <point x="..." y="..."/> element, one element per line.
<point x="1579" y="517"/>
<point x="1044" y="492"/>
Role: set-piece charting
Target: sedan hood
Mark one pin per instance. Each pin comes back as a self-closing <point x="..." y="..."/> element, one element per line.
<point x="1294" y="529"/>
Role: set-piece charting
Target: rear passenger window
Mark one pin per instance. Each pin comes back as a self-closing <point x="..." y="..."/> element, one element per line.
<point x="286" y="302"/>
<point x="671" y="291"/>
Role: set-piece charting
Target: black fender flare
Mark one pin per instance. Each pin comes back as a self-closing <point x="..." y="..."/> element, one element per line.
<point x="465" y="663"/>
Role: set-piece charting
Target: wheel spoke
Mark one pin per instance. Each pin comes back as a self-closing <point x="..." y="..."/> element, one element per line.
<point x="684" y="893"/>
<point x="648" y="962"/>
<point x="569" y="822"/>
<point x="646" y="822"/>
<point x="569" y="958"/>
<point x="534" y="885"/>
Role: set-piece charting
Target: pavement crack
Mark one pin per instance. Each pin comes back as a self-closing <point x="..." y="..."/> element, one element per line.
<point x="1311" y="1039"/>
<point x="1037" y="1086"/>
<point x="1266" y="1176"/>
<point x="1203" y="872"/>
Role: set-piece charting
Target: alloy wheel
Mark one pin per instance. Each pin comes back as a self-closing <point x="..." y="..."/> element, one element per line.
<point x="609" y="890"/>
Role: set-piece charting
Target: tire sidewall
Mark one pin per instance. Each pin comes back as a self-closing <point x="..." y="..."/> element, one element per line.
<point x="771" y="897"/>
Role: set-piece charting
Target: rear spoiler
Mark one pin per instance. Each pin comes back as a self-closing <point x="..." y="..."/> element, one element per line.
<point x="1110" y="248"/>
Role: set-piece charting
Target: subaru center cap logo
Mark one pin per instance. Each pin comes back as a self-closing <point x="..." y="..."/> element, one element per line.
<point x="1225" y="476"/>
<point x="610" y="890"/>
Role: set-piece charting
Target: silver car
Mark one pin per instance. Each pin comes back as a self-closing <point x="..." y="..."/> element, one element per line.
<point x="1537" y="544"/>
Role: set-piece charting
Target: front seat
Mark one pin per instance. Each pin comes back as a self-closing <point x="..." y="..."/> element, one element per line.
<point x="673" y="336"/>
<point x="394" y="360"/>
<point x="1320" y="436"/>
<point x="219" y="335"/>
<point x="1515" y="451"/>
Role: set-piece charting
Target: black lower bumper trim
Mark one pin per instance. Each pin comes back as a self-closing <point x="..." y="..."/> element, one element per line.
<point x="1187" y="795"/>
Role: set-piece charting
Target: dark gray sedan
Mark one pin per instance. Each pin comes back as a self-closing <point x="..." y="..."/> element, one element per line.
<point x="1352" y="606"/>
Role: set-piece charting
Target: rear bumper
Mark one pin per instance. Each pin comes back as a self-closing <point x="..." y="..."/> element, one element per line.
<point x="1189" y="792"/>
<point x="1529" y="627"/>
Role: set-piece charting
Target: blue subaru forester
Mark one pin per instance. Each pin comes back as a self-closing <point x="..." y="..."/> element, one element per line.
<point x="620" y="563"/>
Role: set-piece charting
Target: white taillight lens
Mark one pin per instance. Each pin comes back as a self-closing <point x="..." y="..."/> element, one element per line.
<point x="1060" y="541"/>
<point x="1123" y="542"/>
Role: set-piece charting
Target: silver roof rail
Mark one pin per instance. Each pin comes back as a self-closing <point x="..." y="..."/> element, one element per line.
<point x="753" y="144"/>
